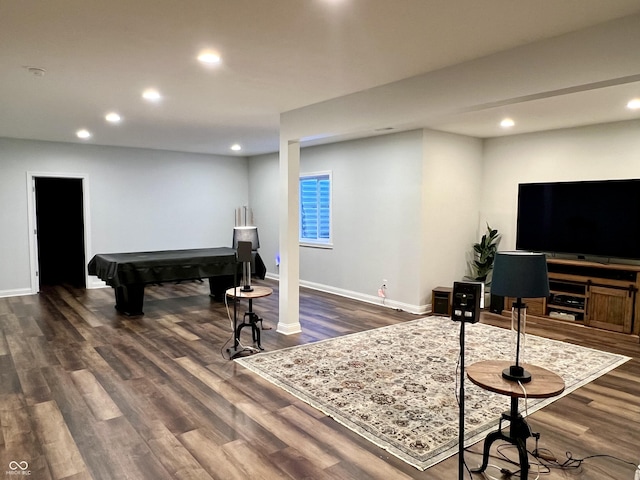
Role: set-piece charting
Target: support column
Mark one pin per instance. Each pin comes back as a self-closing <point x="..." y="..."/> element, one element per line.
<point x="289" y="314"/>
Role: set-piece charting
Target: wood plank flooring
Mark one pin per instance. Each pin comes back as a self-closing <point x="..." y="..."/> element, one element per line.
<point x="86" y="393"/>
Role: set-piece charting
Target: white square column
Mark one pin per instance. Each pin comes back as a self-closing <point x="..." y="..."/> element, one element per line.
<point x="289" y="311"/>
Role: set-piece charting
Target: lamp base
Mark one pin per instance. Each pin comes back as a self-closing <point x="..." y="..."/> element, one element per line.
<point x="516" y="373"/>
<point x="247" y="288"/>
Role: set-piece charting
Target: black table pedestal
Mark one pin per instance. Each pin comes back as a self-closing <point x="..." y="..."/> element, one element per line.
<point x="129" y="299"/>
<point x="519" y="431"/>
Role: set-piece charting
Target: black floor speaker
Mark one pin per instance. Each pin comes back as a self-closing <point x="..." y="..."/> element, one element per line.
<point x="497" y="304"/>
<point x="441" y="304"/>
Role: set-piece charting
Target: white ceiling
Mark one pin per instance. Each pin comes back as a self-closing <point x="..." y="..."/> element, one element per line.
<point x="277" y="56"/>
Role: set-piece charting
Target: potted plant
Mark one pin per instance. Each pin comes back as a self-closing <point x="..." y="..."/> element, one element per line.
<point x="484" y="254"/>
<point x="481" y="265"/>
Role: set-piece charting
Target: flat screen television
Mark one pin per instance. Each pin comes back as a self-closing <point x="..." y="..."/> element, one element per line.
<point x="590" y="218"/>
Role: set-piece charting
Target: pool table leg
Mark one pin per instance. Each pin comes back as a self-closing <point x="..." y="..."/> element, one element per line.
<point x="129" y="299"/>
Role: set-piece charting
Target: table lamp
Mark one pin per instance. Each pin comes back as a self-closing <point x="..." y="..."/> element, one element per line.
<point x="242" y="236"/>
<point x="520" y="275"/>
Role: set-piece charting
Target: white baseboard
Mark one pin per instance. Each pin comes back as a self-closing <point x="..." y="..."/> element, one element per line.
<point x="95" y="282"/>
<point x="17" y="292"/>
<point x="389" y="303"/>
<point x="289" y="329"/>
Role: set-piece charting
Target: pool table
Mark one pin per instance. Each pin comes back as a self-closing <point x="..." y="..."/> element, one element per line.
<point x="128" y="273"/>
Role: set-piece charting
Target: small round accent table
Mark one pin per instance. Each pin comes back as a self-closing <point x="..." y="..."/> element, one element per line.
<point x="250" y="318"/>
<point x="543" y="384"/>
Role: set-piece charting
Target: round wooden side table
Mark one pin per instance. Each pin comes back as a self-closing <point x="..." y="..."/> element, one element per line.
<point x="250" y="318"/>
<point x="543" y="384"/>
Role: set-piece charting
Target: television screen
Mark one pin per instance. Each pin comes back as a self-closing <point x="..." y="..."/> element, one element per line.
<point x="599" y="218"/>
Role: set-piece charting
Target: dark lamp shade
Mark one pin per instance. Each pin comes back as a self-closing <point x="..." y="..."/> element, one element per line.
<point x="520" y="275"/>
<point x="246" y="234"/>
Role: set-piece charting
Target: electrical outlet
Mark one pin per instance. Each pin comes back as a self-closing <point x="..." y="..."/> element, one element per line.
<point x="382" y="291"/>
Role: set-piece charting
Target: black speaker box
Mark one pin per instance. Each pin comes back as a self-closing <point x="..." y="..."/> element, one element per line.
<point x="244" y="251"/>
<point x="466" y="302"/>
<point x="497" y="304"/>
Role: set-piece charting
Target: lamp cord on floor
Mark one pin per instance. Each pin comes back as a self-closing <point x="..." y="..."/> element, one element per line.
<point x="546" y="460"/>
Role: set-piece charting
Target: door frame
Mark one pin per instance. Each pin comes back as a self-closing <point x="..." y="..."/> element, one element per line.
<point x="34" y="266"/>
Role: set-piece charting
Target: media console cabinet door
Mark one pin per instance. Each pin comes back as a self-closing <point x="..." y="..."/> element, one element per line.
<point x="535" y="306"/>
<point x="610" y="308"/>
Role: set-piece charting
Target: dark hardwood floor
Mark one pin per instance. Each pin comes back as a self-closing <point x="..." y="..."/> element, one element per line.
<point x="86" y="393"/>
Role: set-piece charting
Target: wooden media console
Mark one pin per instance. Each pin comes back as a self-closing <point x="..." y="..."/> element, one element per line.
<point x="596" y="294"/>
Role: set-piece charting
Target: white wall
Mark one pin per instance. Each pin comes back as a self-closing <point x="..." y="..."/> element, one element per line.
<point x="376" y="215"/>
<point x="609" y="151"/>
<point x="453" y="220"/>
<point x="405" y="209"/>
<point x="263" y="198"/>
<point x="139" y="199"/>
<point x="376" y="201"/>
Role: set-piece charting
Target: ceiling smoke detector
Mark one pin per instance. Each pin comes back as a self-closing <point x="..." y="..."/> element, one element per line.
<point x="36" y="71"/>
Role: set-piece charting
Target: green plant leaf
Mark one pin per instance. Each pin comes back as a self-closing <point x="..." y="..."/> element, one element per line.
<point x="484" y="254"/>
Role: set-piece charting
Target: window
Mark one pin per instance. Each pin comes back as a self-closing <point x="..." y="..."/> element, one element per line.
<point x="315" y="208"/>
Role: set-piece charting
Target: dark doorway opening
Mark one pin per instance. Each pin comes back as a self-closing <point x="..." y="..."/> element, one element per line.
<point x="60" y="228"/>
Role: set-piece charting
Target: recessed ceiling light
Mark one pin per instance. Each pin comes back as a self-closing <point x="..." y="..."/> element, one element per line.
<point x="209" y="58"/>
<point x="83" y="133"/>
<point x="634" y="104"/>
<point x="112" y="117"/>
<point x="235" y="147"/>
<point x="507" y="123"/>
<point x="152" y="95"/>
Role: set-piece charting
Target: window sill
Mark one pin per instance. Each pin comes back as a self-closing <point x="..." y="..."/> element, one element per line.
<point x="326" y="246"/>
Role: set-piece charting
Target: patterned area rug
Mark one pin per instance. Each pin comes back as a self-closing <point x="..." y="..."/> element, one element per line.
<point x="397" y="385"/>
